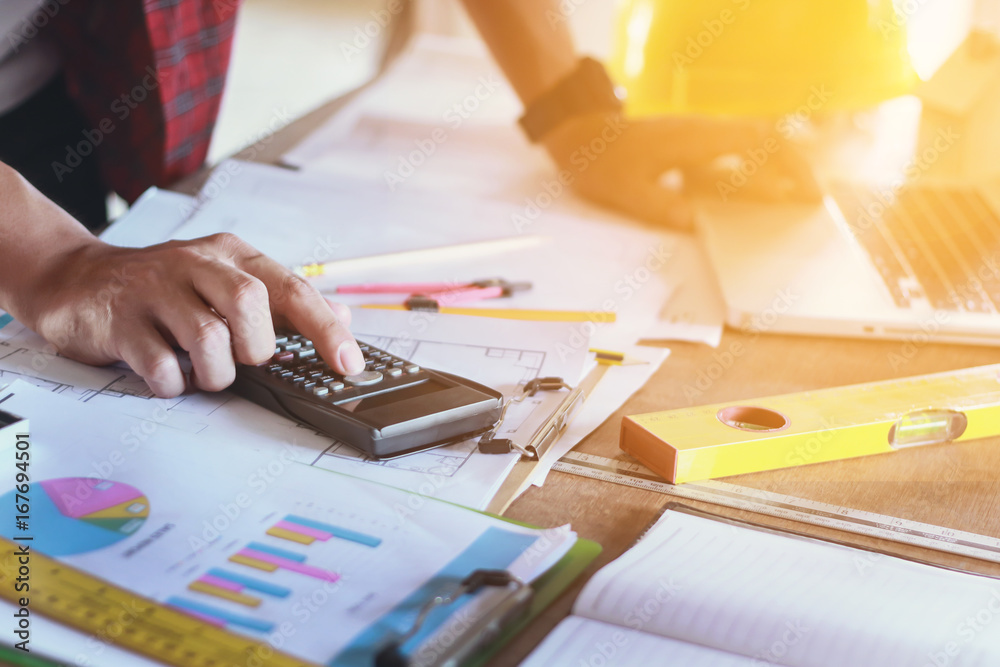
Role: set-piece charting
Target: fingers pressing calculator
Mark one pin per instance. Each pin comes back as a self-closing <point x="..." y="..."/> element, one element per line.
<point x="392" y="408"/>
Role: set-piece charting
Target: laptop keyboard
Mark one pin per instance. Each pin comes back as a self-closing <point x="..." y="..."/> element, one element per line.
<point x="933" y="243"/>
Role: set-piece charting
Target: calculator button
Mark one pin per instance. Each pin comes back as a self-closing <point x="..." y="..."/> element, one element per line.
<point x="398" y="364"/>
<point x="292" y="345"/>
<point x="297" y="379"/>
<point x="315" y="375"/>
<point x="284" y="357"/>
<point x="281" y="340"/>
<point x="336" y="386"/>
<point x="308" y="384"/>
<point x="412" y="368"/>
<point x="320" y="391"/>
<point x="364" y="378"/>
<point x="284" y="375"/>
<point x="306" y="354"/>
<point x="394" y="372"/>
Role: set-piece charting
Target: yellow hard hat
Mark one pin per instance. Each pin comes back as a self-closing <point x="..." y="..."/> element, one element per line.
<point x="759" y="56"/>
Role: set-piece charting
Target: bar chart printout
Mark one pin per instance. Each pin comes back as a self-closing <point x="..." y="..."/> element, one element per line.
<point x="248" y="591"/>
<point x="306" y="531"/>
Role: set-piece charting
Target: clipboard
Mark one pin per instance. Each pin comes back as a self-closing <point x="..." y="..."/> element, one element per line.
<point x="549" y="587"/>
<point x="543" y="592"/>
<point x="523" y="468"/>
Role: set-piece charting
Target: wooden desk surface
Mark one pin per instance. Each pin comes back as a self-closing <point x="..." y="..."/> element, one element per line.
<point x="956" y="485"/>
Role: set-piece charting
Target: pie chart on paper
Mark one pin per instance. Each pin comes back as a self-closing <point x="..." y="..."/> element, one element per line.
<point x="74" y="515"/>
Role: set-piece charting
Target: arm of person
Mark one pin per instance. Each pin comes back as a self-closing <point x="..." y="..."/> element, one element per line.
<point x="617" y="161"/>
<point x="215" y="297"/>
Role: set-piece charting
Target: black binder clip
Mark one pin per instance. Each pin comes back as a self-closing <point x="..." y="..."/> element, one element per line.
<point x="547" y="433"/>
<point x="479" y="631"/>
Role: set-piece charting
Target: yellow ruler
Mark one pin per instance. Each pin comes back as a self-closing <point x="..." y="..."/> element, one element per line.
<point x="125" y="619"/>
<point x="860" y="522"/>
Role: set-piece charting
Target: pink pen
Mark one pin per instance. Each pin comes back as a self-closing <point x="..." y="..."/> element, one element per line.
<point x="397" y="288"/>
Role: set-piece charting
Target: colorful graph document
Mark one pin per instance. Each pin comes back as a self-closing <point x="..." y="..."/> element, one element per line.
<point x="321" y="565"/>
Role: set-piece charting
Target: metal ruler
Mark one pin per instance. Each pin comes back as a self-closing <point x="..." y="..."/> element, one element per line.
<point x="786" y="507"/>
<point x="125" y="619"/>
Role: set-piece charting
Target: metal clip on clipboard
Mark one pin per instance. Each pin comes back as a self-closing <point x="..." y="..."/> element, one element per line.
<point x="512" y="605"/>
<point x="548" y="432"/>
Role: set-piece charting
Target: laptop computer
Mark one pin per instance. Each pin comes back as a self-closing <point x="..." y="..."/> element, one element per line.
<point x="919" y="263"/>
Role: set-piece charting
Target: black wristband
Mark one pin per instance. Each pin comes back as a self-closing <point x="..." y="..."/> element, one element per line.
<point x="586" y="90"/>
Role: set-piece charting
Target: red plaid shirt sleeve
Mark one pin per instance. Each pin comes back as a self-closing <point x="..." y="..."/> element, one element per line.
<point x="149" y="78"/>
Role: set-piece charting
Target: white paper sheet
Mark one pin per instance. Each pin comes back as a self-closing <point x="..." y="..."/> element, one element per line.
<point x="500" y="357"/>
<point x="582" y="641"/>
<point x="444" y="81"/>
<point x="483" y="160"/>
<point x="182" y="505"/>
<point x="299" y="220"/>
<point x="696" y="310"/>
<point x="617" y="385"/>
<point x="393" y="148"/>
<point x="474" y="347"/>
<point x="151" y="219"/>
<point x="583" y="264"/>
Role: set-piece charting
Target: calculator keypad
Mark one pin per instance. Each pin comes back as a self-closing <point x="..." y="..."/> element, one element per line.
<point x="392" y="407"/>
<point x="297" y="363"/>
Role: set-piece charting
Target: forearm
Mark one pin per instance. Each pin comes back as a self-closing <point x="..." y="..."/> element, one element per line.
<point x="534" y="51"/>
<point x="214" y="297"/>
<point x="35" y="236"/>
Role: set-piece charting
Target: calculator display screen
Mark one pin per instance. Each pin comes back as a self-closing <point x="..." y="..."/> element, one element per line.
<point x="384" y="398"/>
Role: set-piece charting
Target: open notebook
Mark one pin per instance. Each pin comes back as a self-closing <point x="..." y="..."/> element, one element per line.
<point x="696" y="591"/>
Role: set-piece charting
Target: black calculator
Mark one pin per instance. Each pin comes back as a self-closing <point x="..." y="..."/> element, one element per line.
<point x="392" y="408"/>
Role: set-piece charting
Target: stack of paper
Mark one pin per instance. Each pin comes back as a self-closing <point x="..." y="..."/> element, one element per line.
<point x="479" y="182"/>
<point x="577" y="264"/>
<point x="502" y="358"/>
<point x="461" y="137"/>
<point x="247" y="541"/>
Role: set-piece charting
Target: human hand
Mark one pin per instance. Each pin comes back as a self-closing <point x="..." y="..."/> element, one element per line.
<point x="621" y="163"/>
<point x="215" y="297"/>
